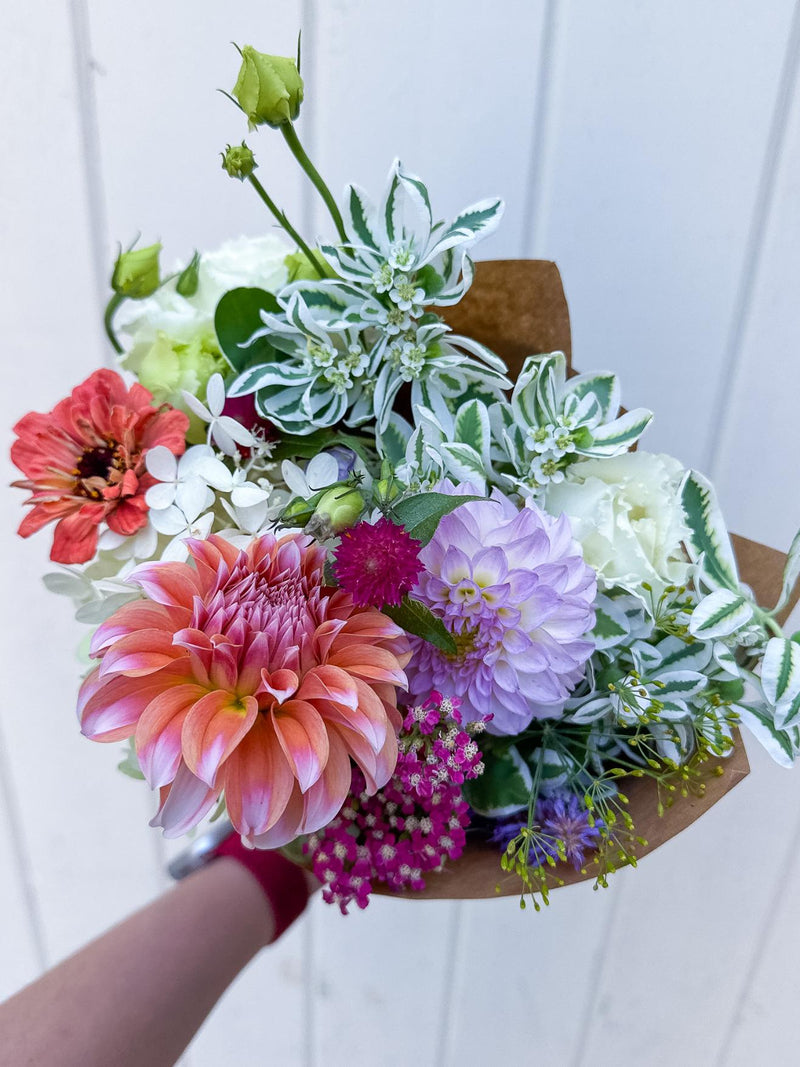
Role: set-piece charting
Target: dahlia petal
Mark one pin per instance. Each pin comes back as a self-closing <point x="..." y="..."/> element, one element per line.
<point x="304" y="739"/>
<point x="141" y="652"/>
<point x="109" y="710"/>
<point x="282" y="684"/>
<point x="137" y="615"/>
<point x="328" y="682"/>
<point x="213" y="728"/>
<point x="184" y="804"/>
<point x="171" y="584"/>
<point x="369" y="662"/>
<point x="325" y="798"/>
<point x="158" y="733"/>
<point x="286" y="828"/>
<point x="257" y="780"/>
<point x="224" y="670"/>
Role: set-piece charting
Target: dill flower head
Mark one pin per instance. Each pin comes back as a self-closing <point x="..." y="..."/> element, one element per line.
<point x="512" y="587"/>
<point x="377" y="563"/>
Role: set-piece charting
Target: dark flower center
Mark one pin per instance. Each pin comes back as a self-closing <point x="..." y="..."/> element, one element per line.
<point x="95" y="463"/>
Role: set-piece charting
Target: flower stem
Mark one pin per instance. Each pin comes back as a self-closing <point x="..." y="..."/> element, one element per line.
<point x="111" y="309"/>
<point x="284" y="222"/>
<point x="299" y="153"/>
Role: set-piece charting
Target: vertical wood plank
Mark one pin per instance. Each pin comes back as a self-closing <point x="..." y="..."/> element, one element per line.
<point x="660" y="121"/>
<point x="757" y="475"/>
<point x="383" y="87"/>
<point x="448" y="87"/>
<point x="89" y="856"/>
<point x="162" y="125"/>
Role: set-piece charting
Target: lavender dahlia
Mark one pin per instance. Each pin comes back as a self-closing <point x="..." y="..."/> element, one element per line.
<point x="512" y="587"/>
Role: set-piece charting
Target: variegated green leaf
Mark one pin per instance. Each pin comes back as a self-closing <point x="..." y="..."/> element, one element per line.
<point x="503" y="788"/>
<point x="759" y="722"/>
<point x="359" y="210"/>
<point x="611" y="624"/>
<point x="464" y="464"/>
<point x="603" y="386"/>
<point x="709" y="541"/>
<point x="619" y="435"/>
<point x="679" y="655"/>
<point x="721" y="613"/>
<point x="780" y="671"/>
<point x="680" y="685"/>
<point x="791" y="572"/>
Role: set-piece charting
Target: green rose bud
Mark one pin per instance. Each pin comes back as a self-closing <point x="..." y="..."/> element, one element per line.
<point x="300" y="267"/>
<point x="239" y="161"/>
<point x="166" y="367"/>
<point x="189" y="278"/>
<point x="136" y="272"/>
<point x="340" y="507"/>
<point x="269" y="89"/>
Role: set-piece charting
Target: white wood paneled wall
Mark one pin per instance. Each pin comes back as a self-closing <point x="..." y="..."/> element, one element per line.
<point x="653" y="151"/>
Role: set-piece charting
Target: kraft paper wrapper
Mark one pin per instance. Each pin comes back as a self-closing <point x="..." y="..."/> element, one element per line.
<point x="518" y="308"/>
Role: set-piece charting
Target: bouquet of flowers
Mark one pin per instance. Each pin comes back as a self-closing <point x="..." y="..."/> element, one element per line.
<point x="379" y="595"/>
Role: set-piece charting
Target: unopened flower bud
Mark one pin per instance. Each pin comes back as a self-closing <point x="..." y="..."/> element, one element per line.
<point x="136" y="272"/>
<point x="238" y="160"/>
<point x="269" y="89"/>
<point x="339" y="508"/>
<point x="189" y="277"/>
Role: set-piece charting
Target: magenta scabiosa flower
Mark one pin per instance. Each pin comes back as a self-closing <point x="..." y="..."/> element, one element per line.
<point x="512" y="587"/>
<point x="377" y="563"/>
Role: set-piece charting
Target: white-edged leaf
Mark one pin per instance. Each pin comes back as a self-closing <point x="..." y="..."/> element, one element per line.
<point x="680" y="685"/>
<point x="618" y="435"/>
<point x="780" y="671"/>
<point x="719" y="614"/>
<point x="611" y="623"/>
<point x="791" y="572"/>
<point x="759" y="722"/>
<point x="709" y="539"/>
<point x="684" y="655"/>
<point x="603" y="386"/>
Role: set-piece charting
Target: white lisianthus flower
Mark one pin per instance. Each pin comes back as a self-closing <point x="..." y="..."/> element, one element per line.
<point x="626" y="513"/>
<point x="169" y="339"/>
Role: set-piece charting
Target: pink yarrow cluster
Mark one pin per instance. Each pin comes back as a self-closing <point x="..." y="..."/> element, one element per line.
<point x="415" y="823"/>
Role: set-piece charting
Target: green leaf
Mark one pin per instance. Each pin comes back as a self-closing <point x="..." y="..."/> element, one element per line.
<point x="417" y="619"/>
<point x="237" y="318"/>
<point x="611" y="623"/>
<point x="791" y="572"/>
<point x="603" y="386"/>
<point x="504" y="787"/>
<point x="359" y="212"/>
<point x="780" y="672"/>
<point x="719" y="614"/>
<point x="709" y="536"/>
<point x="420" y="514"/>
<point x="759" y="722"/>
<point x="619" y="435"/>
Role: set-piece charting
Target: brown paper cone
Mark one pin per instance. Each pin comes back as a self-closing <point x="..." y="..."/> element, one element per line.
<point x="517" y="308"/>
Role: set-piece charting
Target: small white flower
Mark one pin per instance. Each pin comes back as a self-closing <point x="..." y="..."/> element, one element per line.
<point x="407" y="296"/>
<point x="180" y="481"/>
<point x="226" y="432"/>
<point x="177" y="549"/>
<point x="320" y="472"/>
